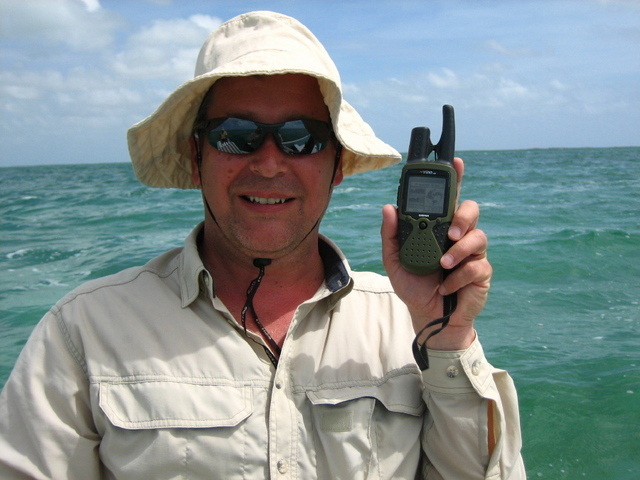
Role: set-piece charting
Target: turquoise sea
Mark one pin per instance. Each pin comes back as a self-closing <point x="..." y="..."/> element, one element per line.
<point x="563" y="316"/>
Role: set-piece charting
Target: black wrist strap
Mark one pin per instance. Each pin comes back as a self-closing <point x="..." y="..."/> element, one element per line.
<point x="450" y="302"/>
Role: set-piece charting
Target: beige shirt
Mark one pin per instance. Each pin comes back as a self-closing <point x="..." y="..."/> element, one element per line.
<point x="146" y="375"/>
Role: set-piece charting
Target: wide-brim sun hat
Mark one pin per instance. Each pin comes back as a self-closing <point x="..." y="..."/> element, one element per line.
<point x="256" y="43"/>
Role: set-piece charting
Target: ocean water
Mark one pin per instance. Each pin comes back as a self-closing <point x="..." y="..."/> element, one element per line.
<point x="563" y="315"/>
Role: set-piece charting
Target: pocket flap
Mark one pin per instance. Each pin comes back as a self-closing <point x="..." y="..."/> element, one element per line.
<point x="174" y="404"/>
<point x="400" y="393"/>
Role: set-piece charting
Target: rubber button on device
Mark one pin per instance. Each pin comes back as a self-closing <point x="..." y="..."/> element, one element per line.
<point x="422" y="225"/>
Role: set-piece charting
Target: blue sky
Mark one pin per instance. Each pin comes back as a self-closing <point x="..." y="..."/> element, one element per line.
<point x="75" y="74"/>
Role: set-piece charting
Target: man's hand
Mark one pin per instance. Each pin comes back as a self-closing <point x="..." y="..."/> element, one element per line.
<point x="423" y="294"/>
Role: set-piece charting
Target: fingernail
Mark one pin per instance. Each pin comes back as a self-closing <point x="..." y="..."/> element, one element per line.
<point x="447" y="260"/>
<point x="442" y="291"/>
<point x="455" y="233"/>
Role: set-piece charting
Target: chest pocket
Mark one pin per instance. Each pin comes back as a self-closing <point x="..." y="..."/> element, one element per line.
<point x="163" y="429"/>
<point x="364" y="430"/>
<point x="174" y="404"/>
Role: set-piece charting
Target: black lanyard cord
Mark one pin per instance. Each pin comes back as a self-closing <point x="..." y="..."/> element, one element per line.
<point x="251" y="292"/>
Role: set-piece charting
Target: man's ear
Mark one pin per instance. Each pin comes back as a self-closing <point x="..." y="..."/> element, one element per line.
<point x="196" y="159"/>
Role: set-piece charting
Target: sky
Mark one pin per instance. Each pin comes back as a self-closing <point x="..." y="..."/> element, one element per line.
<point x="76" y="74"/>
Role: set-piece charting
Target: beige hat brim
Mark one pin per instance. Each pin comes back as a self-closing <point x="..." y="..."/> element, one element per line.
<point x="257" y="43"/>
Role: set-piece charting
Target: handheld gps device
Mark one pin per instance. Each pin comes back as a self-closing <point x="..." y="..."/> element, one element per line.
<point x="427" y="198"/>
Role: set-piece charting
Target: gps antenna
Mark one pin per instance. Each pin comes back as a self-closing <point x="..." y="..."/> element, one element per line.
<point x="446" y="146"/>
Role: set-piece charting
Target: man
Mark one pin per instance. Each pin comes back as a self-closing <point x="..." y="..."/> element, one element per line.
<point x="254" y="351"/>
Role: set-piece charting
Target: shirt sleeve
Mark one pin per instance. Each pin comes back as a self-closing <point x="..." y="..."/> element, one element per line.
<point x="46" y="427"/>
<point x="472" y="430"/>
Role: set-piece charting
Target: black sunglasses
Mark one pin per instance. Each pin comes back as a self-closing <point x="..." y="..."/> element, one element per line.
<point x="240" y="136"/>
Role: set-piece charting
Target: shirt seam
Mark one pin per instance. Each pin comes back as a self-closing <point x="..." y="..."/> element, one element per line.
<point x="375" y="382"/>
<point x="191" y="380"/>
<point x="71" y="348"/>
<point x="90" y="290"/>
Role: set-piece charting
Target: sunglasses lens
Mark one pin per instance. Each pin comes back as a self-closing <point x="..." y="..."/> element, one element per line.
<point x="296" y="137"/>
<point x="234" y="135"/>
<point x="303" y="137"/>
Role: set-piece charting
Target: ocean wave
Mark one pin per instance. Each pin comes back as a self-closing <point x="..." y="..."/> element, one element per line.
<point x="18" y="253"/>
<point x="49" y="282"/>
<point x="598" y="237"/>
<point x="339" y="208"/>
<point x="344" y="190"/>
<point x="36" y="256"/>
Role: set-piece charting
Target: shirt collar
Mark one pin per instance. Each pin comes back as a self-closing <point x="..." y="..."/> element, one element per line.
<point x="194" y="276"/>
<point x="192" y="271"/>
<point x="336" y="267"/>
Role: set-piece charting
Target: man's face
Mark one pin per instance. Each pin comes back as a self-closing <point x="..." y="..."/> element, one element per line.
<point x="267" y="202"/>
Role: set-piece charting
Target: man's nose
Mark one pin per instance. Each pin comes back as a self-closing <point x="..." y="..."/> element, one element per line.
<point x="268" y="161"/>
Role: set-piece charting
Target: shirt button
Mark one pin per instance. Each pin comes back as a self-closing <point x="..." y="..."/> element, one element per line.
<point x="283" y="466"/>
<point x="452" y="371"/>
<point x="278" y="385"/>
<point x="475" y="368"/>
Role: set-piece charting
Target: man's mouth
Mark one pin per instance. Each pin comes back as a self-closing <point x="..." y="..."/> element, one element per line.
<point x="266" y="201"/>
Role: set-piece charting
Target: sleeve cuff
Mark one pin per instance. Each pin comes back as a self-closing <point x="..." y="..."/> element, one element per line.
<point x="460" y="371"/>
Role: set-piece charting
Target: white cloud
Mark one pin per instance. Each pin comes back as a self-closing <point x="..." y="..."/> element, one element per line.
<point x="512" y="90"/>
<point x="209" y="24"/>
<point x="487" y="103"/>
<point x="558" y="85"/>
<point x="506" y="51"/>
<point x="477" y="90"/>
<point x="444" y="79"/>
<point x="165" y="49"/>
<point x="66" y="72"/>
<point x="162" y="53"/>
<point x="55" y="98"/>
<point x="77" y="24"/>
<point x="92" y="5"/>
<point x="20" y="92"/>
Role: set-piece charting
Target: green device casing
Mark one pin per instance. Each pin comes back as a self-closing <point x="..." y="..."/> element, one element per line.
<point x="427" y="198"/>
